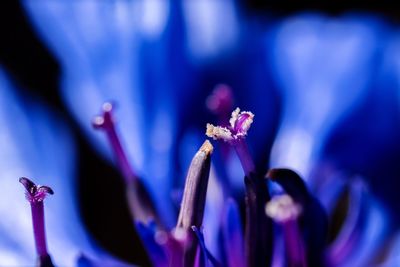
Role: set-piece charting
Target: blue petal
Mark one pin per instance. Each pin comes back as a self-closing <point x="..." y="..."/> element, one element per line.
<point x="37" y="144"/>
<point x="208" y="35"/>
<point x="84" y="261"/>
<point x="317" y="95"/>
<point x="105" y="40"/>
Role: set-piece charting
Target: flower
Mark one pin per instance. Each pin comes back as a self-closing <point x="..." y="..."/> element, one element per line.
<point x="303" y="220"/>
<point x="145" y="55"/>
<point x="177" y="247"/>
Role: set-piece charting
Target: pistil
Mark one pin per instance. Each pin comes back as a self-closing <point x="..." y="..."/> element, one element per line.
<point x="258" y="230"/>
<point x="35" y="194"/>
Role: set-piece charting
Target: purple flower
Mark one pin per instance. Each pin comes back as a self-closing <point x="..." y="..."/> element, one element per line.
<point x="302" y="219"/>
<point x="147" y="56"/>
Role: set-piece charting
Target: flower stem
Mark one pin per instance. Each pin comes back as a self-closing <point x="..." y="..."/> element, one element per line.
<point x="140" y="203"/>
<point x="314" y="227"/>
<point x="122" y="160"/>
<point x="38" y="228"/>
<point x="35" y="194"/>
<point x="242" y="150"/>
<point x="106" y="123"/>
<point x="295" y="250"/>
<point x="285" y="212"/>
<point x="258" y="229"/>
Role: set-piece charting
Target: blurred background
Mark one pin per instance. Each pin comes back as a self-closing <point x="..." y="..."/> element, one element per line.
<point x="322" y="80"/>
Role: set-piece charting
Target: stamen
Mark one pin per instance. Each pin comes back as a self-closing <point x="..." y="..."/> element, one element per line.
<point x="258" y="231"/>
<point x="106" y="123"/>
<point x="35" y="194"/>
<point x="240" y="123"/>
<point x="218" y="132"/>
<point x="314" y="218"/>
<point x="140" y="203"/>
<point x="242" y="150"/>
<point x="235" y="134"/>
<point x="244" y="122"/>
<point x="284" y="211"/>
<point x="194" y="197"/>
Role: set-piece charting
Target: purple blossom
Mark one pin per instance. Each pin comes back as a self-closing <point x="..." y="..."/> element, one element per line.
<point x="145" y="55"/>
